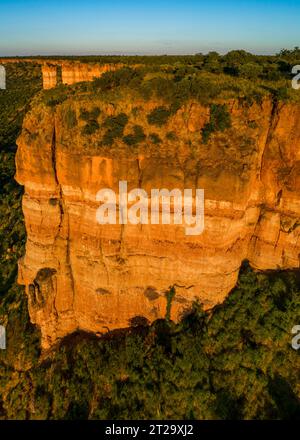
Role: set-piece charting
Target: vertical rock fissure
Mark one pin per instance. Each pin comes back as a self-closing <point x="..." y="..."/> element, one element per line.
<point x="68" y="260"/>
<point x="64" y="215"/>
<point x="60" y="198"/>
<point x="53" y="154"/>
<point x="140" y="177"/>
<point x="272" y="124"/>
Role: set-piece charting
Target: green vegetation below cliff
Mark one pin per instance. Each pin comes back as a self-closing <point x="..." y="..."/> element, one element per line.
<point x="23" y="80"/>
<point x="234" y="362"/>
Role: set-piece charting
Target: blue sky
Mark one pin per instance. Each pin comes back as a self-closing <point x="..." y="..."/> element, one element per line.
<point x="150" y="27"/>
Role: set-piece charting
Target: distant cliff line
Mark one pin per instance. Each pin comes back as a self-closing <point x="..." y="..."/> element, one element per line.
<point x="65" y="72"/>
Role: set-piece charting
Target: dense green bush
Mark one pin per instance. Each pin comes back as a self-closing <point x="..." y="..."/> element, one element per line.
<point x="176" y="93"/>
<point x="219" y="120"/>
<point x="171" y="136"/>
<point x="135" y="137"/>
<point x="90" y="117"/>
<point x="239" y="57"/>
<point x="154" y="138"/>
<point x="281" y="94"/>
<point x="116" y="123"/>
<point x="90" y="128"/>
<point x="125" y="76"/>
<point x="115" y="127"/>
<point x="55" y="96"/>
<point x="86" y="115"/>
<point x="12" y="231"/>
<point x="158" y="116"/>
<point x="271" y="73"/>
<point x="250" y="70"/>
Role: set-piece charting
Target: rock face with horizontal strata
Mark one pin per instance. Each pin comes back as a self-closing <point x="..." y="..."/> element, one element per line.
<point x="82" y="275"/>
<point x="73" y="72"/>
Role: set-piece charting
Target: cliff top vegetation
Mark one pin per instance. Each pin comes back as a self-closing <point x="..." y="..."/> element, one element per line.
<point x="175" y="79"/>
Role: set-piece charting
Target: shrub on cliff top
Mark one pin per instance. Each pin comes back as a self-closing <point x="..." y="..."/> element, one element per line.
<point x="250" y="70"/>
<point x="121" y="77"/>
<point x="116" y="122"/>
<point x="219" y="120"/>
<point x="56" y="96"/>
<point x="171" y="136"/>
<point x="115" y="127"/>
<point x="158" y="116"/>
<point x="135" y="137"/>
<point x="90" y="127"/>
<point x="86" y="115"/>
<point x="154" y="138"/>
<point x="91" y="118"/>
<point x="176" y="92"/>
<point x="281" y="94"/>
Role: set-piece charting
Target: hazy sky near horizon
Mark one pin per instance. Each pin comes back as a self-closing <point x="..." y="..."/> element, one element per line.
<point x="29" y="27"/>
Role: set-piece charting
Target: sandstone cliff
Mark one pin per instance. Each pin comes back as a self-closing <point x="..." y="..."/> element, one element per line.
<point x="73" y="72"/>
<point x="79" y="274"/>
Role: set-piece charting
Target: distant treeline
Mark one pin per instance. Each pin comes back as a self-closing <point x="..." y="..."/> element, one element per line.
<point x="236" y="55"/>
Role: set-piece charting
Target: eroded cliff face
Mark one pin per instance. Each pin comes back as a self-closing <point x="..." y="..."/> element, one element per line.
<point x="49" y="74"/>
<point x="73" y="72"/>
<point x="79" y="274"/>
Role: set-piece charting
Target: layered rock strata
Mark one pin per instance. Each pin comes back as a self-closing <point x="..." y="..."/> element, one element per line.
<point x="82" y="275"/>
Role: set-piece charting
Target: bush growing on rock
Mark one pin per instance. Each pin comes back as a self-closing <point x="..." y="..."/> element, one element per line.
<point x="219" y="120"/>
<point x="117" y="122"/>
<point x="154" y="138"/>
<point x="125" y="76"/>
<point x="158" y="116"/>
<point x="250" y="70"/>
<point x="135" y="137"/>
<point x="86" y="115"/>
<point x="171" y="136"/>
<point x="115" y="127"/>
<point x="90" y="128"/>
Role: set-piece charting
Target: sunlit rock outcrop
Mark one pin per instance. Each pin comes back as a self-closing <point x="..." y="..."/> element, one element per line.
<point x="79" y="274"/>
